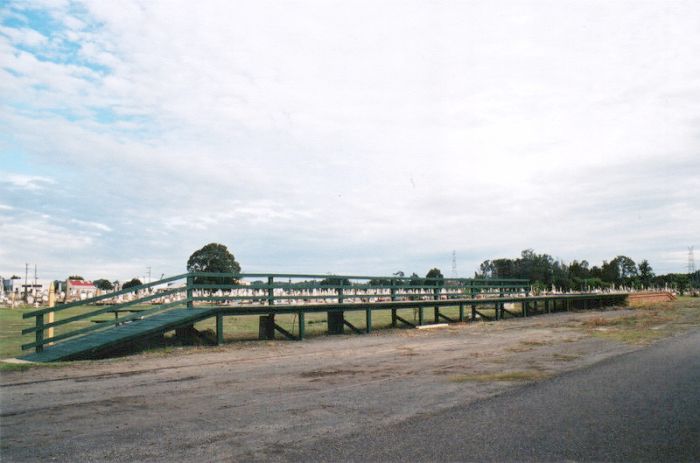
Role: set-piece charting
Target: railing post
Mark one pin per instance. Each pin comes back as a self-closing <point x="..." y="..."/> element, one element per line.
<point x="39" y="335"/>
<point x="392" y="290"/>
<point x="267" y="323"/>
<point x="436" y="296"/>
<point x="302" y="324"/>
<point x="190" y="282"/>
<point x="219" y="330"/>
<point x="473" y="296"/>
<point x="501" y="305"/>
<point x="270" y="291"/>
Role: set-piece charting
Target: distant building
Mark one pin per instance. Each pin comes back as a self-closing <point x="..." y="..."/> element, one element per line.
<point x="80" y="289"/>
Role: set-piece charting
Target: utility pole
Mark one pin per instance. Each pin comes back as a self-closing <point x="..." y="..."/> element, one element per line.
<point x="149" y="274"/>
<point x="26" y="277"/>
<point x="454" y="264"/>
<point x="691" y="265"/>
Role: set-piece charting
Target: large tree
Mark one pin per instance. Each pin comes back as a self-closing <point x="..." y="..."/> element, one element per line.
<point x="646" y="274"/>
<point x="213" y="257"/>
<point x="437" y="277"/>
<point x="335" y="281"/>
<point x="103" y="284"/>
<point x="131" y="283"/>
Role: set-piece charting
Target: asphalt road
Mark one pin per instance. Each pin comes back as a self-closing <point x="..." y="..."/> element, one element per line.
<point x="642" y="406"/>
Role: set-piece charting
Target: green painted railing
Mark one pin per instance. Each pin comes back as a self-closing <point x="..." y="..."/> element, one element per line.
<point x="260" y="288"/>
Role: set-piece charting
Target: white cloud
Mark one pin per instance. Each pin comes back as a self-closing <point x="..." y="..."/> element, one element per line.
<point x="24" y="36"/>
<point x="94" y="225"/>
<point x="26" y="182"/>
<point x="367" y="133"/>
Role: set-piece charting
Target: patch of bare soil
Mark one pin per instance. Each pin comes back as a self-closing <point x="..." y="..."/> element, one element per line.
<point x="255" y="401"/>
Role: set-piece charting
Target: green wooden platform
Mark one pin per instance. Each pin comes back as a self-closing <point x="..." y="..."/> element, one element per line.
<point x="122" y="334"/>
<point x="158" y="309"/>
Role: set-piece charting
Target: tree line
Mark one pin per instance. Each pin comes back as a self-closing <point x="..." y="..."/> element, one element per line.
<point x="544" y="271"/>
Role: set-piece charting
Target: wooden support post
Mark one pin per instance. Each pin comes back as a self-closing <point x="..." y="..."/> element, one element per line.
<point x="336" y="323"/>
<point x="473" y="296"/>
<point x="368" y="320"/>
<point x="501" y="306"/>
<point x="436" y="296"/>
<point x="420" y="315"/>
<point x="546" y="306"/>
<point x="39" y="335"/>
<point x="351" y="326"/>
<point x="266" y="323"/>
<point x="461" y="311"/>
<point x="525" y="308"/>
<point x="219" y="329"/>
<point x="405" y="322"/>
<point x="302" y="326"/>
<point x="392" y="290"/>
<point x="190" y="282"/>
<point x="266" y="326"/>
<point x="497" y="306"/>
<point x="270" y="291"/>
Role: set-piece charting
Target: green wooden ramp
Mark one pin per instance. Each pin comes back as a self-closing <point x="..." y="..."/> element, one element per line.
<point x="119" y="335"/>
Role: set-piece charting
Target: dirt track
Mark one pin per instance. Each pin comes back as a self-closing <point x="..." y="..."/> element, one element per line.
<point x="255" y="401"/>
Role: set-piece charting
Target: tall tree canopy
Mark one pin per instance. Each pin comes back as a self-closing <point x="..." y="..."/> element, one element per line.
<point x="335" y="281"/>
<point x="103" y="284"/>
<point x="213" y="257"/>
<point x="434" y="273"/>
<point x="131" y="283"/>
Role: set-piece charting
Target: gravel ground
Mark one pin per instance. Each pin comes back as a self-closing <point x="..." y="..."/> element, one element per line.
<point x="642" y="406"/>
<point x="258" y="401"/>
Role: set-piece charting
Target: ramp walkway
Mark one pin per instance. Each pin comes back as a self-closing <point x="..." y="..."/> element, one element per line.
<point x="120" y="335"/>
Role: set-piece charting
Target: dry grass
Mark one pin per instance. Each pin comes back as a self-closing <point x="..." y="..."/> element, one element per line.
<point x="518" y="349"/>
<point x="534" y="342"/>
<point x="647" y="323"/>
<point x="565" y="357"/>
<point x="507" y="376"/>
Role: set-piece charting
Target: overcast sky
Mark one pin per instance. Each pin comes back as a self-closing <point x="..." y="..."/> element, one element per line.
<point x="346" y="137"/>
